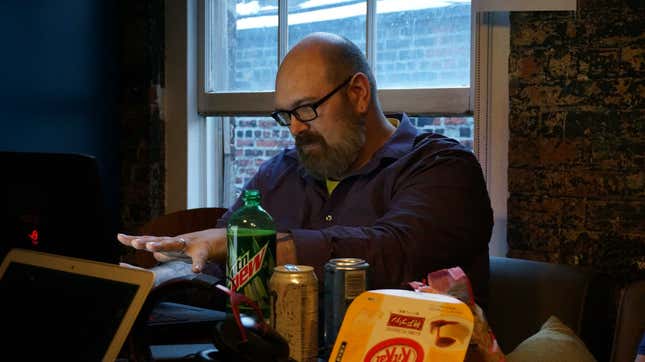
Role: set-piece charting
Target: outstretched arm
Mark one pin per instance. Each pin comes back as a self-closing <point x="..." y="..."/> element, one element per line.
<point x="199" y="247"/>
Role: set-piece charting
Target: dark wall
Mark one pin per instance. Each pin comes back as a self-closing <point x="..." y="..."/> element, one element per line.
<point x="59" y="83"/>
<point x="143" y="128"/>
<point x="577" y="135"/>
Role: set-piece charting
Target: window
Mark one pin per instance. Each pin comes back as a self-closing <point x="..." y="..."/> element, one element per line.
<point x="418" y="50"/>
<point x="199" y="120"/>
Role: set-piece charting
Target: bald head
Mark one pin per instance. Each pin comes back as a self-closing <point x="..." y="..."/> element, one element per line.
<point x="324" y="58"/>
<point x="327" y="76"/>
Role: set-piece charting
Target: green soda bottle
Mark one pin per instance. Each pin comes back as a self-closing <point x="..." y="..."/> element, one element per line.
<point x="251" y="239"/>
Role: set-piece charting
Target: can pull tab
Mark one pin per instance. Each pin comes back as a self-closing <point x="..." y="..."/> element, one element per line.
<point x="291" y="268"/>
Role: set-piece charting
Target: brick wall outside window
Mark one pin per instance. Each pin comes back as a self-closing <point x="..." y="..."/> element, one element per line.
<point x="255" y="140"/>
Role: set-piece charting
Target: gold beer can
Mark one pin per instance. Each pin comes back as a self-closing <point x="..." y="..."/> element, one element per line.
<point x="294" y="309"/>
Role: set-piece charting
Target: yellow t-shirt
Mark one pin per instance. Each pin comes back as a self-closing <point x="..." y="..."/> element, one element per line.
<point x="331" y="185"/>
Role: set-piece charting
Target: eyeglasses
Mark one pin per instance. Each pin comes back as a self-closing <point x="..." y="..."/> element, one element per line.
<point x="236" y="299"/>
<point x="305" y="112"/>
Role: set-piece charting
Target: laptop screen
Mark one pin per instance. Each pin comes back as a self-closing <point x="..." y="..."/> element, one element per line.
<point x="53" y="203"/>
<point x="49" y="313"/>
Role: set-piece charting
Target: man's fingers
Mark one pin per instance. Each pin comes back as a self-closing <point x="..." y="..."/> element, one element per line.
<point x="165" y="243"/>
<point x="137" y="241"/>
<point x="162" y="257"/>
<point x="166" y="248"/>
<point x="150" y="243"/>
<point x="199" y="260"/>
<point x="125" y="239"/>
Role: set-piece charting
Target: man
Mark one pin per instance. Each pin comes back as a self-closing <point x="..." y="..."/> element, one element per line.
<point x="358" y="184"/>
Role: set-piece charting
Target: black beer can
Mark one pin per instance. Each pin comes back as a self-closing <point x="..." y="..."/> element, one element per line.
<point x="345" y="279"/>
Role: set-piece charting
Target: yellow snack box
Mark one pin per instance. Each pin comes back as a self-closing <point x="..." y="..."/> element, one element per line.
<point x="392" y="325"/>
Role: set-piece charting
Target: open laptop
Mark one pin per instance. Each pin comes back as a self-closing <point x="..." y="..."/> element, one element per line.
<point x="59" y="308"/>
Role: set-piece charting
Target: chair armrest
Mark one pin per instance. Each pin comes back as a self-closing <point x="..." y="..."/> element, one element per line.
<point x="630" y="322"/>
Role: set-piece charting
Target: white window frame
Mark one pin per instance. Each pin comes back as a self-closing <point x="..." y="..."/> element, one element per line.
<point x="453" y="100"/>
<point x="191" y="180"/>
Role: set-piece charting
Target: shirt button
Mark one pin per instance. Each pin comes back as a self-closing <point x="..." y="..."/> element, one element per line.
<point x="329" y="218"/>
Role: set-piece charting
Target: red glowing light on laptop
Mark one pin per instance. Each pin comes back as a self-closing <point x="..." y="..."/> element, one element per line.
<point x="34" y="237"/>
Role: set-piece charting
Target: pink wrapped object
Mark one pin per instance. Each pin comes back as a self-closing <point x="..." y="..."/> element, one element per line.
<point x="455" y="283"/>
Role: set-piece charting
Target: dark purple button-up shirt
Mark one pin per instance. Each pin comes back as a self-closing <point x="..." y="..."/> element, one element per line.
<point x="420" y="204"/>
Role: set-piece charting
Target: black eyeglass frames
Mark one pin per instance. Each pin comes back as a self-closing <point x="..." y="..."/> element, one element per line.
<point x="305" y="112"/>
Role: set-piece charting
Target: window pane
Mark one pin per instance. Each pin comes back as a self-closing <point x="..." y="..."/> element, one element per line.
<point x="253" y="140"/>
<point x="458" y="128"/>
<point x="243" y="38"/>
<point x="423" y="43"/>
<point x="342" y="17"/>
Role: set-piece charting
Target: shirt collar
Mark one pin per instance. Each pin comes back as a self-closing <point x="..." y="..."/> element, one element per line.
<point x="401" y="142"/>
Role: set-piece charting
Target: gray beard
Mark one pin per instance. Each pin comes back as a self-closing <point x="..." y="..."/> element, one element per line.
<point x="333" y="162"/>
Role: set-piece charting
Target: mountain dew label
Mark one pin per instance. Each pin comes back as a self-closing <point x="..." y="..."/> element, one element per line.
<point x="247" y="268"/>
<point x="251" y="259"/>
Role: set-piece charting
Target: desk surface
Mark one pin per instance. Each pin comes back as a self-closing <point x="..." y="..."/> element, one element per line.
<point x="180" y="352"/>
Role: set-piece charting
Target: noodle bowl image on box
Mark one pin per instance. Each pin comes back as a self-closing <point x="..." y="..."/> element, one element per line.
<point x="401" y="325"/>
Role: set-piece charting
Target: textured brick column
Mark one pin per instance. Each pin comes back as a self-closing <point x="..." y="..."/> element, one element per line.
<point x="577" y="137"/>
